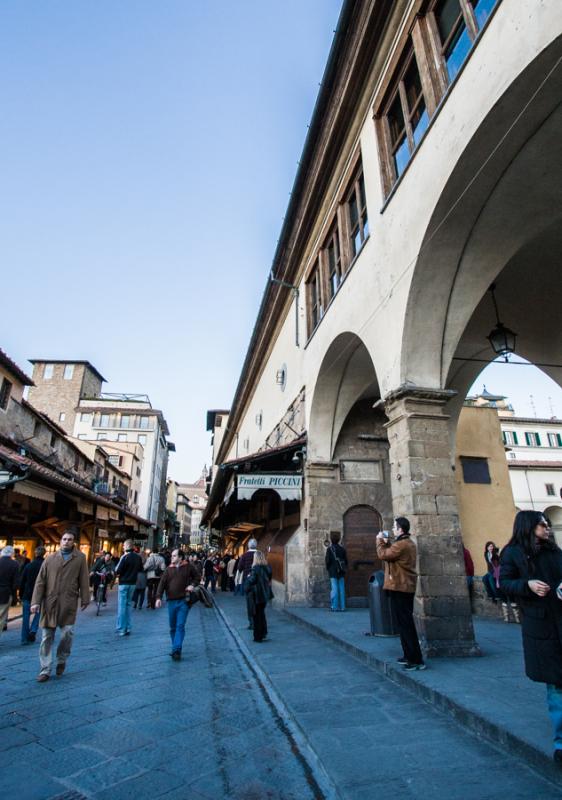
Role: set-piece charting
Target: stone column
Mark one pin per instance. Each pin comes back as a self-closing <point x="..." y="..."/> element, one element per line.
<point x="423" y="489"/>
<point x="319" y="520"/>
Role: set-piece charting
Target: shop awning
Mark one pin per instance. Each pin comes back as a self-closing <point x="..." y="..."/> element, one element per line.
<point x="243" y="527"/>
<point x="32" y="489"/>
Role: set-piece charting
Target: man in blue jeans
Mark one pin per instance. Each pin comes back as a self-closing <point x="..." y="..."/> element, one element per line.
<point x="127" y="571"/>
<point x="178" y="579"/>
<point x="336" y="564"/>
<point x="29" y="625"/>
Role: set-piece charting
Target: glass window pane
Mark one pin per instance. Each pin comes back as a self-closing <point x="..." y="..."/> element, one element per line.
<point x="365" y="227"/>
<point x="482" y="10"/>
<point x="412" y="85"/>
<point x="447" y="13"/>
<point x="401" y="157"/>
<point x="362" y="192"/>
<point x="457" y="52"/>
<point x="395" y="120"/>
<point x="421" y="124"/>
<point x="353" y="211"/>
<point x="357" y="242"/>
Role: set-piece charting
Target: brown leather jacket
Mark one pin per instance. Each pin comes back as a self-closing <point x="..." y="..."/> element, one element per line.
<point x="400" y="564"/>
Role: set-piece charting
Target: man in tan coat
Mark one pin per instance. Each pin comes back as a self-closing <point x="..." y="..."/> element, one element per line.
<point x="400" y="578"/>
<point x="63" y="579"/>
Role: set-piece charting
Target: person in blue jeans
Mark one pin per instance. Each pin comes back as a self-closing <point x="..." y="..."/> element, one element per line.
<point x="29" y="625"/>
<point x="336" y="564"/>
<point x="178" y="579"/>
<point x="127" y="571"/>
<point x="531" y="571"/>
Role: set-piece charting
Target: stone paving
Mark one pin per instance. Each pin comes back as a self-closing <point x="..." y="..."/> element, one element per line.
<point x="377" y="740"/>
<point x="125" y="721"/>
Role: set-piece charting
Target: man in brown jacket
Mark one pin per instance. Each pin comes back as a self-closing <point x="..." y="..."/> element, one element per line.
<point x="400" y="579"/>
<point x="179" y="578"/>
<point x="63" y="579"/>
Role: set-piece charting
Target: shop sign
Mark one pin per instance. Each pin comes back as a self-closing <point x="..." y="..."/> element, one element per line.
<point x="288" y="487"/>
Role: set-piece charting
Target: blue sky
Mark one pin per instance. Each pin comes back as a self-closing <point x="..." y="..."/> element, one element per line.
<point x="147" y="152"/>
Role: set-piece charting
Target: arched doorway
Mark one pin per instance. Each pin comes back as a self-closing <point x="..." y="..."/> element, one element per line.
<point x="360" y="527"/>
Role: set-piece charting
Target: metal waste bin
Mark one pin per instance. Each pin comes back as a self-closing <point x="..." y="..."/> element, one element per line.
<point x="383" y="621"/>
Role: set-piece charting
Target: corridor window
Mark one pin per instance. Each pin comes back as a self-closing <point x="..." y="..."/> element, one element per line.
<point x="475" y="470"/>
<point x="555" y="440"/>
<point x="358" y="219"/>
<point x="458" y="24"/>
<point x="406" y="116"/>
<point x="334" y="262"/>
<point x="124" y="421"/>
<point x="104" y="421"/>
<point x="509" y="437"/>
<point x="532" y="439"/>
<point x="550" y="489"/>
<point x="314" y="297"/>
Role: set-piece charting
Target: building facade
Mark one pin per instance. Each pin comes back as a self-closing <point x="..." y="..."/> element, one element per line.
<point x="430" y="172"/>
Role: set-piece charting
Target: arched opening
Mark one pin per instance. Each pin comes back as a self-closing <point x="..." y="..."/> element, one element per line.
<point x="360" y="527"/>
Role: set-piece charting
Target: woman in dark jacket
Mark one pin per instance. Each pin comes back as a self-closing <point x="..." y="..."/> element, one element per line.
<point x="531" y="570"/>
<point x="258" y="588"/>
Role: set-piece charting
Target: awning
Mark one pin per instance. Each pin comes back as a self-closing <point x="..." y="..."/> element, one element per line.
<point x="85" y="507"/>
<point x="102" y="512"/>
<point x="32" y="489"/>
<point x="243" y="527"/>
<point x="288" y="487"/>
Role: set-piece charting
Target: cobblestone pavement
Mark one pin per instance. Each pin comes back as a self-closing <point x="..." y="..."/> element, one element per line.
<point x="377" y="740"/>
<point x="125" y="721"/>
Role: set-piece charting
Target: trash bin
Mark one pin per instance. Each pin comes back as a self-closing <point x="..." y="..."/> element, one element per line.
<point x="383" y="621"/>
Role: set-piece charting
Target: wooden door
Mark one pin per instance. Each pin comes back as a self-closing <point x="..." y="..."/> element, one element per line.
<point x="360" y="527"/>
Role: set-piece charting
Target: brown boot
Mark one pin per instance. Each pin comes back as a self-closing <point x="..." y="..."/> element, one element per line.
<point x="42" y="678"/>
<point x="60" y="669"/>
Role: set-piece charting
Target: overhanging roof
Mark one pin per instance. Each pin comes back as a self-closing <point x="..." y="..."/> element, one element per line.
<point x="11" y="366"/>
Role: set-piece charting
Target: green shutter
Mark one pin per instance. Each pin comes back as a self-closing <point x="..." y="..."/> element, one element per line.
<point x="528" y="439"/>
<point x="559" y="439"/>
<point x="515" y="438"/>
<point x="538" y="439"/>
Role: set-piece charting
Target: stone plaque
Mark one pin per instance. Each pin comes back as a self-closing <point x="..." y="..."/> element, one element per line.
<point x="361" y="471"/>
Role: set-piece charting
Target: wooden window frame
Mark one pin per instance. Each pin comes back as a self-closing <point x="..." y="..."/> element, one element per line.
<point x="333" y="244"/>
<point x="362" y="224"/>
<point x="314" y="288"/>
<point x="5" y="393"/>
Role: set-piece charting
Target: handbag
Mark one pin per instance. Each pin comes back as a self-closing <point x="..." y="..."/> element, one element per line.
<point x="340" y="563"/>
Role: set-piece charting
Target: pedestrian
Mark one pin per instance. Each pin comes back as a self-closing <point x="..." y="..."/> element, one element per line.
<point x="9" y="569"/>
<point x="103" y="568"/>
<point x="336" y="564"/>
<point x="258" y="592"/>
<point x="140" y="589"/>
<point x="231" y="571"/>
<point x="244" y="568"/>
<point x="531" y="570"/>
<point x="154" y="567"/>
<point x="469" y="570"/>
<point x="61" y="583"/>
<point x="209" y="573"/>
<point x="127" y="571"/>
<point x="178" y="579"/>
<point x="400" y="578"/>
<point x="28" y="579"/>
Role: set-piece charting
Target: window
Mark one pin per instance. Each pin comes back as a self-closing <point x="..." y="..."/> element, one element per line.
<point x="554" y="440"/>
<point x="144" y="423"/>
<point x="85" y="417"/>
<point x="68" y="372"/>
<point x="83" y="436"/>
<point x="458" y="23"/>
<point x="124" y="421"/>
<point x="104" y="421"/>
<point x="532" y="439"/>
<point x="314" y="296"/>
<point x="62" y="416"/>
<point x="53" y="440"/>
<point x="36" y="428"/>
<point x="550" y="489"/>
<point x="475" y="470"/>
<point x="48" y="370"/>
<point x="407" y="116"/>
<point x="334" y="261"/>
<point x="76" y="461"/>
<point x="5" y="391"/>
<point x="138" y="472"/>
<point x="114" y="460"/>
<point x="509" y="437"/>
<point x="121" y="459"/>
<point x="101" y="436"/>
<point x="358" y="220"/>
<point x="142" y="438"/>
<point x="121" y="437"/>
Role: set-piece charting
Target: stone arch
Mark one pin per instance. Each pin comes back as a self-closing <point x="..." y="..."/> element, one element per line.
<point x="346" y="375"/>
<point x="493" y="214"/>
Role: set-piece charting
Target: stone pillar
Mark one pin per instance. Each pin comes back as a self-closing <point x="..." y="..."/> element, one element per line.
<point x="423" y="489"/>
<point x="319" y="511"/>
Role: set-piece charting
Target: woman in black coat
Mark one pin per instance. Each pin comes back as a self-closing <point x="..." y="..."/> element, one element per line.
<point x="531" y="570"/>
<point x="258" y="588"/>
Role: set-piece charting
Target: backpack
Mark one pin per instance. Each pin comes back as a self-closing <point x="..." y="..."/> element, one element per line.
<point x="340" y="563"/>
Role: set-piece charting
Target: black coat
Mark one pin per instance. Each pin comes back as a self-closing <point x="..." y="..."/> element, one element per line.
<point x="541" y="617"/>
<point x="258" y="584"/>
<point x="9" y="570"/>
<point x="335" y="551"/>
<point x="28" y="578"/>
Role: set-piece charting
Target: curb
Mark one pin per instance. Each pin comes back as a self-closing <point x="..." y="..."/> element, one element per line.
<point x="301" y="745"/>
<point x="471" y="720"/>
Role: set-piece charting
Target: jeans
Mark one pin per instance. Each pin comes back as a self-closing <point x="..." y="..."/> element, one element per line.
<point x="46" y="648"/>
<point x="337" y="594"/>
<point x="152" y="585"/>
<point x="554" y="700"/>
<point x="124" y="608"/>
<point x="26" y="628"/>
<point x="138" y="598"/>
<point x="213" y="580"/>
<point x="260" y="622"/>
<point x="177" y="614"/>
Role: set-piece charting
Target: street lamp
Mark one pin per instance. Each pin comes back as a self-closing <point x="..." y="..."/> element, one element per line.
<point x="501" y="339"/>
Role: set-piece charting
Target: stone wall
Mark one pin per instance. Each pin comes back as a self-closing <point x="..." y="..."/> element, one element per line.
<point x="57" y="395"/>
